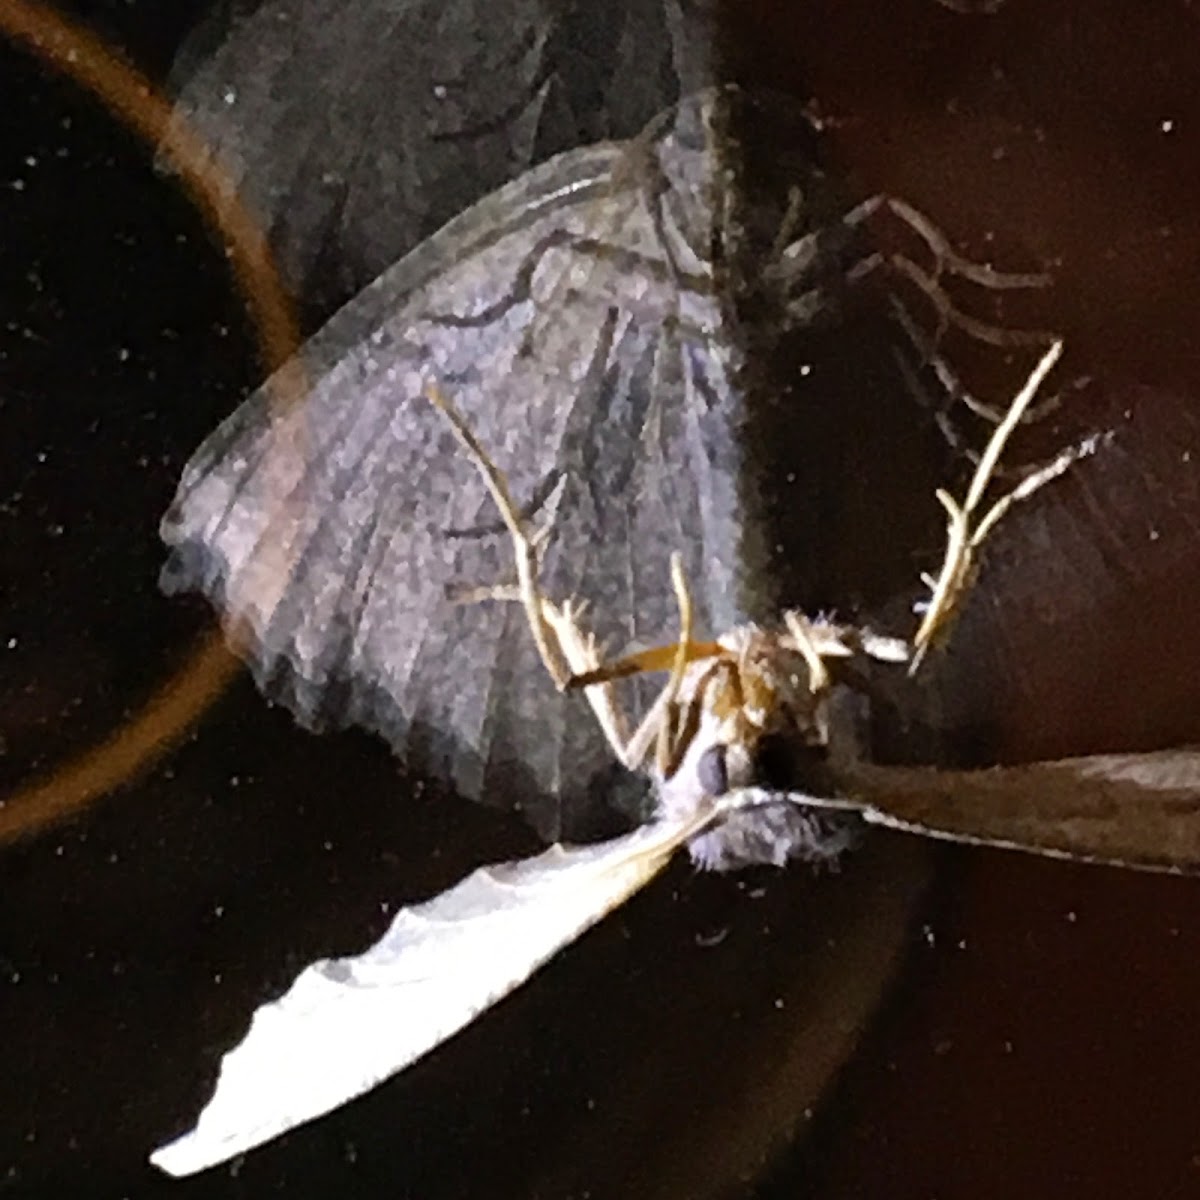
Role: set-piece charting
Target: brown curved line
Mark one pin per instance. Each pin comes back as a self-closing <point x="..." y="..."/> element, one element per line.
<point x="134" y="101"/>
<point x="130" y="750"/>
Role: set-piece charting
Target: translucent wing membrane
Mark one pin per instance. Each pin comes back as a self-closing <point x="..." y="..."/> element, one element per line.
<point x="354" y="131"/>
<point x="575" y="319"/>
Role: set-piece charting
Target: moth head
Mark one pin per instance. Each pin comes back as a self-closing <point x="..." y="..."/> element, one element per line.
<point x="751" y="715"/>
<point x="754" y="733"/>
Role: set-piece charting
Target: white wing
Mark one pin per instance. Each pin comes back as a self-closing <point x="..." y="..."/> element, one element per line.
<point x="347" y="1024"/>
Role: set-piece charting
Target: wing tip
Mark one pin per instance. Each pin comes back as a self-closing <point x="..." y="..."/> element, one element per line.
<point x="186" y="1155"/>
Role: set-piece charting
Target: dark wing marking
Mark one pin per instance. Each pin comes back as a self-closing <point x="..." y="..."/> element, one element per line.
<point x="574" y="326"/>
<point x="1131" y="810"/>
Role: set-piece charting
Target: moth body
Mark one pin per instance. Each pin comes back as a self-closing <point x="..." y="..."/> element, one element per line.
<point x="759" y="725"/>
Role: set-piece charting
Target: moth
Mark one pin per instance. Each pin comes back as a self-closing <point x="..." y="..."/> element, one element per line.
<point x="584" y="319"/>
<point x="752" y="749"/>
<point x="577" y="327"/>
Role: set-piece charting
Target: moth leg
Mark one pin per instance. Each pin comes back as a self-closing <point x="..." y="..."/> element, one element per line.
<point x="577" y="651"/>
<point x="642" y="662"/>
<point x="800" y="256"/>
<point x="582" y="655"/>
<point x="665" y="729"/>
<point x="948" y="259"/>
<point x="929" y="284"/>
<point x="807" y="637"/>
<point x="948" y="378"/>
<point x="965" y="534"/>
<point x="525" y="546"/>
<point x="820" y="638"/>
<point x="953" y="389"/>
<point x="675" y="720"/>
<point x="949" y="315"/>
<point x="557" y="627"/>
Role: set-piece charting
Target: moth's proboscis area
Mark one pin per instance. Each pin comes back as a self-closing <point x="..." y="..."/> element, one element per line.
<point x="360" y="1019"/>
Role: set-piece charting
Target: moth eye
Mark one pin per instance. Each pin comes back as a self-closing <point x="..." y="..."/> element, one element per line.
<point x="712" y="771"/>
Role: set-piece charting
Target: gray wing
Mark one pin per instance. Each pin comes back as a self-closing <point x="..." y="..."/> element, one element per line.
<point x="354" y="131"/>
<point x="1131" y="810"/>
<point x="573" y="320"/>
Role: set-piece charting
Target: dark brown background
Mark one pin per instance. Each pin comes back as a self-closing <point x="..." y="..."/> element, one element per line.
<point x="1040" y="1039"/>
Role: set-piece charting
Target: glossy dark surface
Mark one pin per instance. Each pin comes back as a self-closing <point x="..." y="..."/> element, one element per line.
<point x="1042" y="1039"/>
